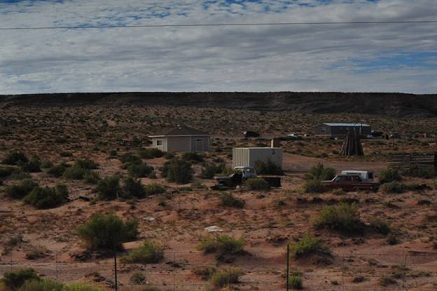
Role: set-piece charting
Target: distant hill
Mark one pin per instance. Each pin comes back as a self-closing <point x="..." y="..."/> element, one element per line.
<point x="390" y="104"/>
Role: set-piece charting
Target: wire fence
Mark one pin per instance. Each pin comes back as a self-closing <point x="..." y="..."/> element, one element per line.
<point x="267" y="271"/>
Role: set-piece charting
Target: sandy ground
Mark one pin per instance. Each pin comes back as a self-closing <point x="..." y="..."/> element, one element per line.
<point x="267" y="223"/>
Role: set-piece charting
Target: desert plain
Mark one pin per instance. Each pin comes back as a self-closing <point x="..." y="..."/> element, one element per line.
<point x="102" y="130"/>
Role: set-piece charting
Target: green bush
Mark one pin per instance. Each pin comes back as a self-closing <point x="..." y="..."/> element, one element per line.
<point x="343" y="217"/>
<point x="295" y="281"/>
<point x="43" y="198"/>
<point x="19" y="191"/>
<point x="204" y="272"/>
<point x="268" y="168"/>
<point x="228" y="200"/>
<point x="314" y="186"/>
<point x="86" y="164"/>
<point x="80" y="169"/>
<point x="148" y="253"/>
<point x="6" y="171"/>
<point x="109" y="188"/>
<point x="380" y="226"/>
<point x="132" y="188"/>
<point x="46" y="164"/>
<point x="74" y="173"/>
<point x="306" y="246"/>
<point x="139" y="170"/>
<point x="150" y="153"/>
<point x="193" y="157"/>
<point x="137" y="278"/>
<point x="257" y="184"/>
<point x="209" y="170"/>
<point x="154" y="188"/>
<point x="81" y="287"/>
<point x="178" y="171"/>
<point x="130" y="158"/>
<point x="13" y="280"/>
<point x="41" y="285"/>
<point x="222" y="245"/>
<point x="389" y="175"/>
<point x="420" y="172"/>
<point x="32" y="166"/>
<point x="319" y="172"/>
<point x="15" y="158"/>
<point x="107" y="231"/>
<point x="57" y="170"/>
<point x="91" y="177"/>
<point x="226" y="277"/>
<point x="393" y="187"/>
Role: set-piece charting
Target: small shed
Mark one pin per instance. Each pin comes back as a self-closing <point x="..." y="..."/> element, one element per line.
<point x="181" y="139"/>
<point x="248" y="156"/>
<point x="342" y="129"/>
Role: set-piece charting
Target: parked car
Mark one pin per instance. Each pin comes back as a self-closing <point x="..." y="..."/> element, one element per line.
<point x="350" y="182"/>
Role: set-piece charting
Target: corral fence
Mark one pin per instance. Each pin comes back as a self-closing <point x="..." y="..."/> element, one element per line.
<point x="414" y="160"/>
<point x="400" y="271"/>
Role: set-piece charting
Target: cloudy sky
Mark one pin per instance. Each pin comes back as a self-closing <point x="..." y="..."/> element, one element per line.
<point x="218" y="45"/>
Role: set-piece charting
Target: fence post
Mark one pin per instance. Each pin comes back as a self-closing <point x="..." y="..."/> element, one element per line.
<point x="287" y="276"/>
<point x="435" y="160"/>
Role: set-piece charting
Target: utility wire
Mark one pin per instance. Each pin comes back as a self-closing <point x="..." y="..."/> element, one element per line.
<point x="220" y="24"/>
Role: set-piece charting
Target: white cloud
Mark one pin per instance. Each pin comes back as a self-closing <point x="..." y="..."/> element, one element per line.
<point x="297" y="57"/>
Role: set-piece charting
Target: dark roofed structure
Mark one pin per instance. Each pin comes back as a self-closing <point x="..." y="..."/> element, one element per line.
<point x="181" y="139"/>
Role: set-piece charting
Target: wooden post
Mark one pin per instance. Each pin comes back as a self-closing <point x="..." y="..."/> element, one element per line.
<point x="288" y="268"/>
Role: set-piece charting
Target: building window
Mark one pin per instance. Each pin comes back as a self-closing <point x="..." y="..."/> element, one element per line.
<point x="159" y="142"/>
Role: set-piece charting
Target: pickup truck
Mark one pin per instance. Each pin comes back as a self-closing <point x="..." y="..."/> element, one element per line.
<point x="350" y="182"/>
<point x="241" y="174"/>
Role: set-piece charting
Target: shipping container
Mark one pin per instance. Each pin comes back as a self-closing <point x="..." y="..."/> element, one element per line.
<point x="248" y="156"/>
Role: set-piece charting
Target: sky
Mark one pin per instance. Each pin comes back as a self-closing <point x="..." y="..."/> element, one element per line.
<point x="65" y="46"/>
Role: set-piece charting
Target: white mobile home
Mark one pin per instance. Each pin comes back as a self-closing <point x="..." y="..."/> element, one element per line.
<point x="249" y="155"/>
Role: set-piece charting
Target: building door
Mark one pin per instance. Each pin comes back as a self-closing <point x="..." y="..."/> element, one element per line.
<point x="199" y="145"/>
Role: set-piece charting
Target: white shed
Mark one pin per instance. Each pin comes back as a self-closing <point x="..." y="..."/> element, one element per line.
<point x="248" y="156"/>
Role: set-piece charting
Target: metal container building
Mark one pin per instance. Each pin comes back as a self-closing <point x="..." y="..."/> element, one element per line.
<point x="249" y="155"/>
<point x="341" y="129"/>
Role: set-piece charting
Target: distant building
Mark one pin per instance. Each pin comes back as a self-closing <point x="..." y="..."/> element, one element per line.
<point x="181" y="139"/>
<point x="341" y="129"/>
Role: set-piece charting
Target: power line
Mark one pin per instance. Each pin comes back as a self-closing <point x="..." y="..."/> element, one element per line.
<point x="322" y="23"/>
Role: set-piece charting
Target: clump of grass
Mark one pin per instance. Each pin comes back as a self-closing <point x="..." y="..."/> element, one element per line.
<point x="154" y="188"/>
<point x="229" y="200"/>
<point x="343" y="217"/>
<point x="108" y="188"/>
<point x="44" y="198"/>
<point x="19" y="191"/>
<point x="314" y="186"/>
<point x="295" y="281"/>
<point x="204" y="272"/>
<point x="14" y="280"/>
<point x="106" y="231"/>
<point x="268" y="168"/>
<point x="393" y="187"/>
<point x="15" y="158"/>
<point x="318" y="172"/>
<point x="306" y="246"/>
<point x="138" y="278"/>
<point x="380" y="226"/>
<point x="256" y="184"/>
<point x="389" y="175"/>
<point x="221" y="244"/>
<point x="226" y="277"/>
<point x="148" y="253"/>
